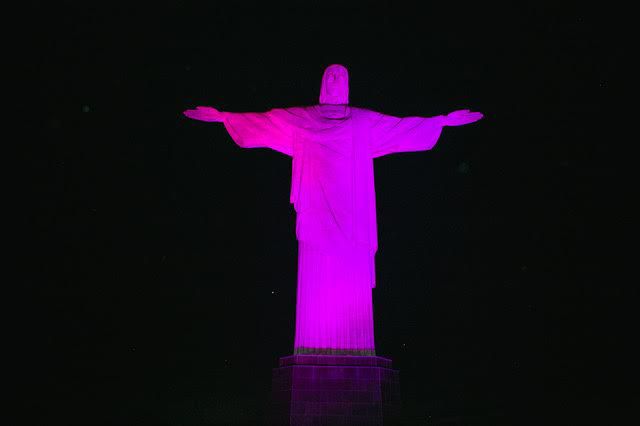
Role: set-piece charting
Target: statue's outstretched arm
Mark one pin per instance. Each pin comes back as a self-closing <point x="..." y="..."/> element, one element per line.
<point x="205" y="113"/>
<point x="391" y="134"/>
<point x="461" y="117"/>
<point x="270" y="129"/>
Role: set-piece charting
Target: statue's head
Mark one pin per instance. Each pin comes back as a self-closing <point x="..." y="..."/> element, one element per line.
<point x="335" y="85"/>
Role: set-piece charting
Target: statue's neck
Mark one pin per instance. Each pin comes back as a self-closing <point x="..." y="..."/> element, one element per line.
<point x="334" y="110"/>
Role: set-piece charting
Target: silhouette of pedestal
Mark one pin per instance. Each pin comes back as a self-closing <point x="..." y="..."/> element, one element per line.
<point x="335" y="390"/>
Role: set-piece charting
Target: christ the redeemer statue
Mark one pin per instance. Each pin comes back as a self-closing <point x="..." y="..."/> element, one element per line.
<point x="332" y="190"/>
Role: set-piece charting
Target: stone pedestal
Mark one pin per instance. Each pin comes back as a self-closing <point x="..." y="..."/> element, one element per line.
<point x="335" y="390"/>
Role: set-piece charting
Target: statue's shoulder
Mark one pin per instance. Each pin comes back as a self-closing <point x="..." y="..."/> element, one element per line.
<point x="295" y="113"/>
<point x="362" y="111"/>
<point x="300" y="111"/>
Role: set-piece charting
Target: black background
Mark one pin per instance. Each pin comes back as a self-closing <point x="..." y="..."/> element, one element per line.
<point x="159" y="269"/>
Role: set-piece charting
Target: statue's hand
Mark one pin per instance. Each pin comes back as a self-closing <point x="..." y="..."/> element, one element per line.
<point x="461" y="117"/>
<point x="204" y="113"/>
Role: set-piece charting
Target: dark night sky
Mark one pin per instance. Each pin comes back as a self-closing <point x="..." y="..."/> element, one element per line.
<point x="159" y="276"/>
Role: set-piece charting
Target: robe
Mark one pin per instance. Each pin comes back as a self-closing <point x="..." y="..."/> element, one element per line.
<point x="332" y="191"/>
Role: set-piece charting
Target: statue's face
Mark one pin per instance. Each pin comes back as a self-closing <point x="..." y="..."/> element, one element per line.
<point x="335" y="85"/>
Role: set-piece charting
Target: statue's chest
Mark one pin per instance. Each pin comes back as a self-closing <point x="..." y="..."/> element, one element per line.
<point x="327" y="140"/>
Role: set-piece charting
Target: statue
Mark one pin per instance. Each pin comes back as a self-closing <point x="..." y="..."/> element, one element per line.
<point x="332" y="146"/>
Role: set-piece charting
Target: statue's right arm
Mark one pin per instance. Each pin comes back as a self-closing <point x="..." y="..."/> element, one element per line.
<point x="205" y="113"/>
<point x="270" y="129"/>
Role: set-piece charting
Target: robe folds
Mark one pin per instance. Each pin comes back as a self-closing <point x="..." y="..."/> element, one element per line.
<point x="332" y="191"/>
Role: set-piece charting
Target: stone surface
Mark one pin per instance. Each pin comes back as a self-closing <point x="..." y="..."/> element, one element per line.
<point x="335" y="390"/>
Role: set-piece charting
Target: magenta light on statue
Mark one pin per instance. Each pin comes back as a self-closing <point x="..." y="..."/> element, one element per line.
<point x="332" y="146"/>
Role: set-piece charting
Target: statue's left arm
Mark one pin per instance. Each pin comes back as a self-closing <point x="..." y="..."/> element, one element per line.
<point x="391" y="134"/>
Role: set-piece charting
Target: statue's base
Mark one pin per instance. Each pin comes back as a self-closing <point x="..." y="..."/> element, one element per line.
<point x="335" y="390"/>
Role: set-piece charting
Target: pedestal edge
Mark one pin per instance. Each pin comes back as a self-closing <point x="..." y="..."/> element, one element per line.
<point x="344" y="360"/>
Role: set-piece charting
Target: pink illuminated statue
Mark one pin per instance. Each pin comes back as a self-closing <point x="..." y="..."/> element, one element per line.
<point x="332" y="146"/>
